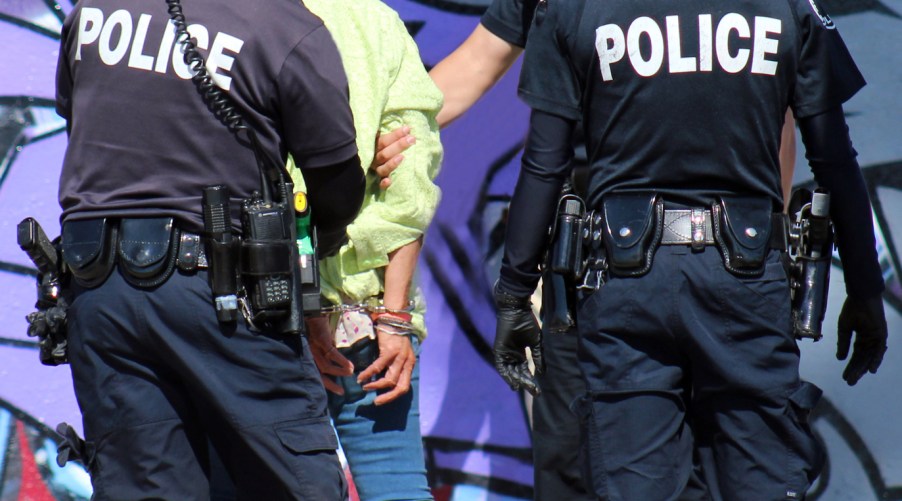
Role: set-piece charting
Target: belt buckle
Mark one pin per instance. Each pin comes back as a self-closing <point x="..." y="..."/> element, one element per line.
<point x="697" y="233"/>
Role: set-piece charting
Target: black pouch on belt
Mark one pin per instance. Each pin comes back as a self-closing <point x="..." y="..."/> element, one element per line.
<point x="147" y="250"/>
<point x="633" y="223"/>
<point x="742" y="230"/>
<point x="87" y="248"/>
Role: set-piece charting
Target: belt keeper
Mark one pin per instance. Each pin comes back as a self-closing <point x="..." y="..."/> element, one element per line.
<point x="697" y="219"/>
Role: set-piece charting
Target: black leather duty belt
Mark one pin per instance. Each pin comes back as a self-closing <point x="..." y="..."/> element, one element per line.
<point x="694" y="227"/>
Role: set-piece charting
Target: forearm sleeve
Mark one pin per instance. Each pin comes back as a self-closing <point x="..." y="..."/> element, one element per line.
<point x="335" y="194"/>
<point x="832" y="159"/>
<point x="546" y="165"/>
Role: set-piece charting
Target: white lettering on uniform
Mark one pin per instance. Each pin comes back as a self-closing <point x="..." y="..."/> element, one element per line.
<point x="737" y="23"/>
<point x="764" y="45"/>
<point x="112" y="55"/>
<point x="675" y="59"/>
<point x="165" y="48"/>
<point x="609" y="45"/>
<point x="705" y="45"/>
<point x="647" y="26"/>
<point x="113" y="36"/>
<point x="713" y="44"/>
<point x="136" y="58"/>
<point x="220" y="60"/>
<point x="89" y="17"/>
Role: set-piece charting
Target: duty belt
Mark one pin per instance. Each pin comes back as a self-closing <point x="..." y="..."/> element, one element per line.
<point x="694" y="227"/>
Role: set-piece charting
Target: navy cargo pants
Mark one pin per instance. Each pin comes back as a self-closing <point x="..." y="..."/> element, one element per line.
<point x="690" y="364"/>
<point x="158" y="378"/>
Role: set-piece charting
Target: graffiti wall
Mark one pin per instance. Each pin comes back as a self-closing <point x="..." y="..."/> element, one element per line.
<point x="477" y="433"/>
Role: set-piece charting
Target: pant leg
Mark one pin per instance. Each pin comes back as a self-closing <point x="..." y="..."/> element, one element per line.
<point x="383" y="445"/>
<point x="139" y="423"/>
<point x="749" y="404"/>
<point x="637" y="442"/>
<point x="555" y="430"/>
<point x="257" y="396"/>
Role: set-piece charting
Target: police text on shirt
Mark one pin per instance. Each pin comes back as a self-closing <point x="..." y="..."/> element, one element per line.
<point x="714" y="45"/>
<point x="119" y="34"/>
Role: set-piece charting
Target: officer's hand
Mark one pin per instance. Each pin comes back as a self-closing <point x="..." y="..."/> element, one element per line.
<point x="516" y="330"/>
<point x="867" y="319"/>
<point x="397" y="360"/>
<point x="388" y="153"/>
<point x="327" y="358"/>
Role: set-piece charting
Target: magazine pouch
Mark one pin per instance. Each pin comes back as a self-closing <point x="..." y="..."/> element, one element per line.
<point x="87" y="248"/>
<point x="633" y="223"/>
<point x="742" y="228"/>
<point x="147" y="250"/>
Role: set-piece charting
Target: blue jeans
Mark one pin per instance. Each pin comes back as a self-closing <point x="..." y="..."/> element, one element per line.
<point x="383" y="444"/>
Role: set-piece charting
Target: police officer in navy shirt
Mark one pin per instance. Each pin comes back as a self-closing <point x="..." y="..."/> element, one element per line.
<point x="686" y="343"/>
<point x="156" y="375"/>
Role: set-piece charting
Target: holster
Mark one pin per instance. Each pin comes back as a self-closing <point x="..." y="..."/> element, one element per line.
<point x="742" y="231"/>
<point x="87" y="249"/>
<point x="633" y="223"/>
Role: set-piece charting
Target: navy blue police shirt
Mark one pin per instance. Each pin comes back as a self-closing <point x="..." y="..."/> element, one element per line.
<point x="509" y="20"/>
<point x="687" y="98"/>
<point x="142" y="142"/>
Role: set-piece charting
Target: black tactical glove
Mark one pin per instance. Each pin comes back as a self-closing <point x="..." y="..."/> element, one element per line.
<point x="516" y="330"/>
<point x="867" y="319"/>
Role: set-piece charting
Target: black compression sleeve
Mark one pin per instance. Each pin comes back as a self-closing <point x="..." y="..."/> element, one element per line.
<point x="336" y="194"/>
<point x="832" y="158"/>
<point x="546" y="165"/>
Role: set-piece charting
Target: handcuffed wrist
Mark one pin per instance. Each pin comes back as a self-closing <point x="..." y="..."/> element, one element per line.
<point x="394" y="324"/>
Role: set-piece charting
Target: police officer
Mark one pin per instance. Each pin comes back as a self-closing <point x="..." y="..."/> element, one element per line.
<point x="686" y="341"/>
<point x="156" y="374"/>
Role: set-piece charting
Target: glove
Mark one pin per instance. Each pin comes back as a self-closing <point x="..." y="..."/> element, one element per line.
<point x="867" y="319"/>
<point x="516" y="330"/>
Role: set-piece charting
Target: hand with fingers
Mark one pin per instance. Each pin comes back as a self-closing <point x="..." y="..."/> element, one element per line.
<point x="326" y="357"/>
<point x="396" y="362"/>
<point x="516" y="330"/>
<point x="867" y="320"/>
<point x="389" y="149"/>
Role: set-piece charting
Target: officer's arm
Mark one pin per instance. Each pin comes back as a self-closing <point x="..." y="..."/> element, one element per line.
<point x="546" y="165"/>
<point x="832" y="158"/>
<point x="335" y="193"/>
<point x="471" y="70"/>
<point x="787" y="156"/>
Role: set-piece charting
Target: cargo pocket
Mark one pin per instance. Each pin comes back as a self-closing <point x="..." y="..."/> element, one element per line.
<point x="806" y="453"/>
<point x="313" y="444"/>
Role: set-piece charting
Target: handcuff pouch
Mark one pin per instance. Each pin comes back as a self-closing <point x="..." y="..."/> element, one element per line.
<point x="148" y="250"/>
<point x="633" y="223"/>
<point x="742" y="231"/>
<point x="87" y="248"/>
